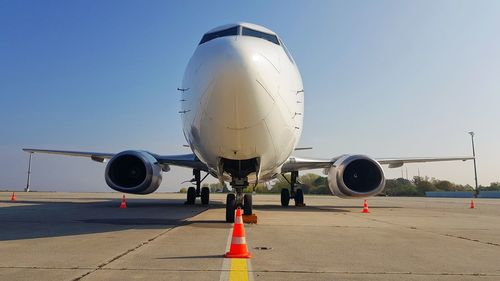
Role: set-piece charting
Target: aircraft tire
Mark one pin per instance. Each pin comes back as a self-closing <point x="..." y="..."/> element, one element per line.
<point x="205" y="195"/>
<point x="230" y="207"/>
<point x="247" y="204"/>
<point x="191" y="196"/>
<point x="285" y="197"/>
<point x="299" y="197"/>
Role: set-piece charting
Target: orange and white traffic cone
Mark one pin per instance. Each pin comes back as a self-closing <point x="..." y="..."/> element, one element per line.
<point x="238" y="247"/>
<point x="13" y="197"/>
<point x="472" y="206"/>
<point x="365" y="207"/>
<point x="123" y="205"/>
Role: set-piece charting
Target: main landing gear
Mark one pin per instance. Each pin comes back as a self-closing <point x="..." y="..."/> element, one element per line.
<point x="239" y="199"/>
<point x="202" y="192"/>
<point x="297" y="195"/>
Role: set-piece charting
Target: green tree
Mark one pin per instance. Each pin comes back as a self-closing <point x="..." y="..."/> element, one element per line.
<point x="494" y="186"/>
<point x="424" y="186"/>
<point x="444" y="185"/>
<point x="261" y="188"/>
<point x="400" y="187"/>
<point x="217" y="187"/>
<point x="459" y="187"/>
<point x="280" y="183"/>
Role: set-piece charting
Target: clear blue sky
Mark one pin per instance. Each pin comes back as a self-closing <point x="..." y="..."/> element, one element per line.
<point x="384" y="78"/>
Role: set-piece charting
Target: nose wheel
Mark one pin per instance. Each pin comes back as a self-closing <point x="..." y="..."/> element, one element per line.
<point x="230" y="207"/>
<point x="238" y="199"/>
<point x="247" y="204"/>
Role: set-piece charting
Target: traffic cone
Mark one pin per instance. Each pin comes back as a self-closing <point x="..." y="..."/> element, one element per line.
<point x="472" y="206"/>
<point x="365" y="207"/>
<point x="123" y="205"/>
<point x="238" y="247"/>
<point x="13" y="197"/>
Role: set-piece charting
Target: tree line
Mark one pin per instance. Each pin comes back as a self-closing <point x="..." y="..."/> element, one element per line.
<point x="316" y="184"/>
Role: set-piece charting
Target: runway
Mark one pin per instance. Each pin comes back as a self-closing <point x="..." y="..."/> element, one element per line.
<point x="85" y="236"/>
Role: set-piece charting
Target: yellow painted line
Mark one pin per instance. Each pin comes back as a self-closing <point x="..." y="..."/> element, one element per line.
<point x="238" y="270"/>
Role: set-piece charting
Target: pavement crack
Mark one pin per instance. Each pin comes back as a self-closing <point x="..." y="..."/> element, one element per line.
<point x="315" y="272"/>
<point x="46" y="267"/>
<point x="143" y="243"/>
<point x="378" y="273"/>
<point x="436" y="233"/>
<point x="100" y="266"/>
<point x="473" y="240"/>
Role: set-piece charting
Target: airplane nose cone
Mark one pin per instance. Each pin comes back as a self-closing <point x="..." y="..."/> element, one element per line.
<point x="238" y="94"/>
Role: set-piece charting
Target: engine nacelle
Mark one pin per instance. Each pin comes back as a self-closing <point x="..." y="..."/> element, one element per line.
<point x="131" y="171"/>
<point x="356" y="176"/>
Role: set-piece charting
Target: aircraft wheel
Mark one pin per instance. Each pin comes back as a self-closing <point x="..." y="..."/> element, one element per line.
<point x="230" y="207"/>
<point x="247" y="204"/>
<point x="205" y="195"/>
<point x="285" y="197"/>
<point x="299" y="197"/>
<point x="191" y="196"/>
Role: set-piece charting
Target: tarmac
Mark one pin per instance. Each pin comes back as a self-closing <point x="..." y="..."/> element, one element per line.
<point x="86" y="236"/>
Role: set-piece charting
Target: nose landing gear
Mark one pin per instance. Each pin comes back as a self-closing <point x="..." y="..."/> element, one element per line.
<point x="238" y="199"/>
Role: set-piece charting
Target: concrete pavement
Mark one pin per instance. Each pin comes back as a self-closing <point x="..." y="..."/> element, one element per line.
<point x="85" y="236"/>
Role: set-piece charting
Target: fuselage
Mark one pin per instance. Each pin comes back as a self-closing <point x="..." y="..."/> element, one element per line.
<point x="242" y="98"/>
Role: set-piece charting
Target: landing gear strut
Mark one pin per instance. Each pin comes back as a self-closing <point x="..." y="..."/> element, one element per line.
<point x="238" y="199"/>
<point x="202" y="192"/>
<point x="297" y="195"/>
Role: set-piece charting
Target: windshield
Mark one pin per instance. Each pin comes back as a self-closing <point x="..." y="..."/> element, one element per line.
<point x="259" y="34"/>
<point x="226" y="32"/>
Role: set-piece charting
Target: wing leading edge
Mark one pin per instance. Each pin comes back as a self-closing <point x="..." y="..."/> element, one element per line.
<point x="298" y="163"/>
<point x="182" y="160"/>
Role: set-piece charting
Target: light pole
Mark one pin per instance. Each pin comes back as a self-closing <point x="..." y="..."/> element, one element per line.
<point x="474" y="155"/>
<point x="28" y="181"/>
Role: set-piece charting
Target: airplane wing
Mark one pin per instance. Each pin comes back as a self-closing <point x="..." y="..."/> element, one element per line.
<point x="298" y="164"/>
<point x="182" y="160"/>
<point x="398" y="162"/>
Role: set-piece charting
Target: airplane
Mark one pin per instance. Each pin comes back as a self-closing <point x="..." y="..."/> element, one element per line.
<point x="242" y="109"/>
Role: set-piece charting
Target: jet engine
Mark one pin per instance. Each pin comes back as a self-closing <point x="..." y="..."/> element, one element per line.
<point x="131" y="171"/>
<point x="356" y="176"/>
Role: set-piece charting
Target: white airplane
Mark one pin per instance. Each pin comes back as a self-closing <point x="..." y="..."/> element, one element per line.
<point x="242" y="112"/>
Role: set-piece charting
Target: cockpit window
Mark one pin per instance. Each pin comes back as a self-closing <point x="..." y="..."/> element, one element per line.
<point x="287" y="52"/>
<point x="254" y="33"/>
<point x="226" y="32"/>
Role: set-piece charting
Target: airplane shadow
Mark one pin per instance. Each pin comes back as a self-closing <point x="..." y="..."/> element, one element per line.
<point x="25" y="219"/>
<point x="318" y="208"/>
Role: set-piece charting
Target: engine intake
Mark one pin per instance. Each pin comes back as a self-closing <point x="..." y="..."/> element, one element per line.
<point x="356" y="176"/>
<point x="136" y="172"/>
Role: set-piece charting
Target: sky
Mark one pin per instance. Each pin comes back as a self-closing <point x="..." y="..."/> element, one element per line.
<point x="382" y="78"/>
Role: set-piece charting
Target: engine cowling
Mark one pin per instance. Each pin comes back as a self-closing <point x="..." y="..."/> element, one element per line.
<point x="356" y="176"/>
<point x="132" y="171"/>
